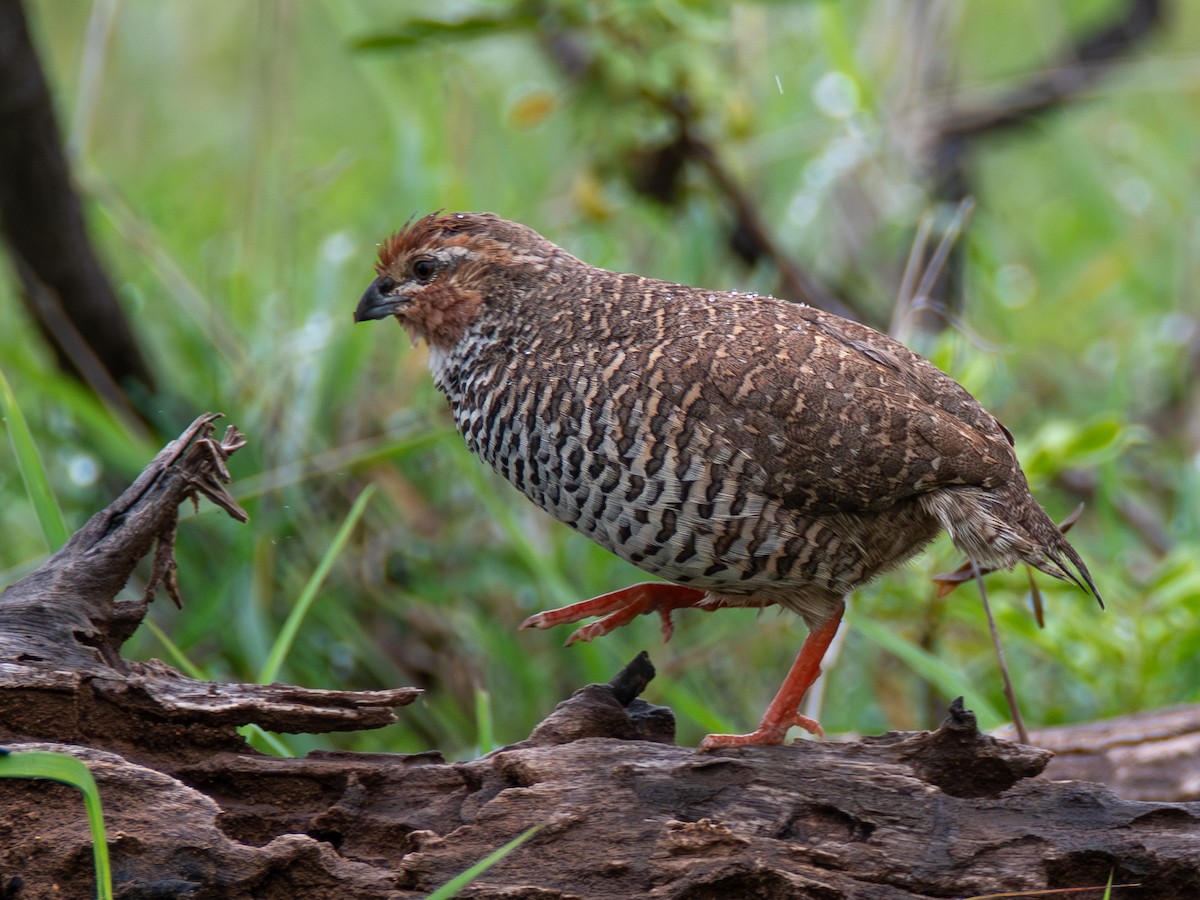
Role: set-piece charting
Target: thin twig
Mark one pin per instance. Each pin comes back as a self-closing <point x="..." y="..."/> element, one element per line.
<point x="950" y="236"/>
<point x="902" y="312"/>
<point x="912" y="301"/>
<point x="1009" y="693"/>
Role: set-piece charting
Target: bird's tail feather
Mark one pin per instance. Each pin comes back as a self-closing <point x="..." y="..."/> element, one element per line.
<point x="1003" y="527"/>
<point x="1053" y="553"/>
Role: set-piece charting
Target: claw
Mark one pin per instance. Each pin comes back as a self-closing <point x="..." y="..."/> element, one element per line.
<point x="538" y="620"/>
<point x="666" y="624"/>
<point x="766" y="735"/>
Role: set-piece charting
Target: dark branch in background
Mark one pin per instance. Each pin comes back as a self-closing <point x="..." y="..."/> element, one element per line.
<point x="1140" y="516"/>
<point x="656" y="172"/>
<point x="657" y="175"/>
<point x="63" y="284"/>
<point x="752" y="238"/>
<point x="1080" y="66"/>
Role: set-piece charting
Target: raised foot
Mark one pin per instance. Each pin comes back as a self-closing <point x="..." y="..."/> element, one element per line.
<point x="620" y="608"/>
<point x="767" y="735"/>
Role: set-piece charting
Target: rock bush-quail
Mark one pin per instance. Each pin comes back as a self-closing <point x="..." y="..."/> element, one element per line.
<point x="748" y="450"/>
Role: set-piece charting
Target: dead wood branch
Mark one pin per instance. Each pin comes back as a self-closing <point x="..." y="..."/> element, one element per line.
<point x="61" y="627"/>
<point x="1145" y="756"/>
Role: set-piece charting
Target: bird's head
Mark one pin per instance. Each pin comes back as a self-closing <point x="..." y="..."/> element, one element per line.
<point x="436" y="274"/>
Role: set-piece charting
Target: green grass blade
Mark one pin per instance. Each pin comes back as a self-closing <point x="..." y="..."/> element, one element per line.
<point x="291" y="627"/>
<point x="351" y="457"/>
<point x="458" y="882"/>
<point x="29" y="461"/>
<point x="178" y="657"/>
<point x="265" y="741"/>
<point x="485" y="727"/>
<point x="68" y="770"/>
<point x="946" y="679"/>
<point x="500" y="509"/>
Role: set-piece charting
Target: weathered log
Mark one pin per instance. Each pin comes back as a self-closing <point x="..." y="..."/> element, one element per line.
<point x="193" y="811"/>
<point x="1145" y="756"/>
<point x="61" y="629"/>
<point x="898" y="816"/>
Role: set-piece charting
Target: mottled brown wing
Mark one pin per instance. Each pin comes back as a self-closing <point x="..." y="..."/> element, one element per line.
<point x="834" y="416"/>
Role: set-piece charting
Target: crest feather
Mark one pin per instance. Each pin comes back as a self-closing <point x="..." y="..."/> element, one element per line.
<point x="430" y="229"/>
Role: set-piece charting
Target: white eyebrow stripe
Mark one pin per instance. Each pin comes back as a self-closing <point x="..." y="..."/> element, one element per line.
<point x="445" y="254"/>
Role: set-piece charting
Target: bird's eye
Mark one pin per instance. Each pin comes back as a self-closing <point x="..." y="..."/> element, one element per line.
<point x="424" y="269"/>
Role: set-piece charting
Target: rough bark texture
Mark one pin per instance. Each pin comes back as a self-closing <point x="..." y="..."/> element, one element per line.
<point x="1147" y="756"/>
<point x="193" y="812"/>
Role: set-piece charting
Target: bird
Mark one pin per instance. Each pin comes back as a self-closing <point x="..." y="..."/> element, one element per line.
<point x="748" y="451"/>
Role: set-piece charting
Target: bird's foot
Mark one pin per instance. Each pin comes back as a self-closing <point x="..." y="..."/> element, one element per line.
<point x="769" y="734"/>
<point x="783" y="713"/>
<point x="620" y="608"/>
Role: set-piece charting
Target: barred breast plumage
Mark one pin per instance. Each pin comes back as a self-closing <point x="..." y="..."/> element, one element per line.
<point x="748" y="450"/>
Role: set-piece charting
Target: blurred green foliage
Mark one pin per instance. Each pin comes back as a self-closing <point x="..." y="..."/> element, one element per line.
<point x="241" y="162"/>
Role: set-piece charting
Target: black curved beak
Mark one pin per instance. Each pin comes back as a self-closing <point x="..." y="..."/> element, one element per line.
<point x="376" y="303"/>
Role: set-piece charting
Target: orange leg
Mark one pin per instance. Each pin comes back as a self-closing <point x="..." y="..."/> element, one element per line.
<point x="622" y="607"/>
<point x="784" y="711"/>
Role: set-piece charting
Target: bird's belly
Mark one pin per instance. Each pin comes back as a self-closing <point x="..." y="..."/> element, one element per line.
<point x="664" y="505"/>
